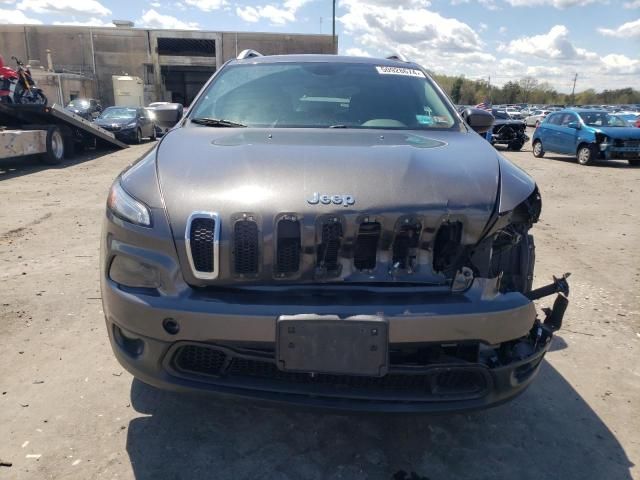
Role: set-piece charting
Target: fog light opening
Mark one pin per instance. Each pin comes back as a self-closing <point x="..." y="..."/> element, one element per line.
<point x="127" y="342"/>
<point x="171" y="326"/>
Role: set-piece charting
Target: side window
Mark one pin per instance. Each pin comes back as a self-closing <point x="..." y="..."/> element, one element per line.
<point x="554" y="119"/>
<point x="568" y="118"/>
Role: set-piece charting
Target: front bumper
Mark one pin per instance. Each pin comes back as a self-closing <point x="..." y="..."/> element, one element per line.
<point x="244" y="330"/>
<point x="620" y="153"/>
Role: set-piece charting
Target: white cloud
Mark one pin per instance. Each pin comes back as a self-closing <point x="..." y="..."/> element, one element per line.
<point x="206" y="5"/>
<point x="502" y="30"/>
<point x="153" y="19"/>
<point x="632" y="4"/>
<point x="554" y="3"/>
<point x="407" y="30"/>
<point x="553" y="45"/>
<point x="155" y="4"/>
<point x="621" y="65"/>
<point x="276" y="15"/>
<point x="16" y="17"/>
<point x="626" y="30"/>
<point x="66" y="7"/>
<point x="92" y="22"/>
<point x="356" y="52"/>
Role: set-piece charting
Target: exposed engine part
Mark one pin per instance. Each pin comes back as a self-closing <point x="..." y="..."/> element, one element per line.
<point x="447" y="248"/>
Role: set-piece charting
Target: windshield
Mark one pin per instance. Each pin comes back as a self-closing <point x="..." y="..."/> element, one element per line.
<point x="601" y="119"/>
<point x="79" y="103"/>
<point x="324" y="95"/>
<point x="113" y="113"/>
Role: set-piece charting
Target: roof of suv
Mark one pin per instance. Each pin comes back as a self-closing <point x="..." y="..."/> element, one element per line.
<point x="328" y="59"/>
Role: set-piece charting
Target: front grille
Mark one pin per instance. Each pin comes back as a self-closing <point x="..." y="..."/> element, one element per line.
<point x="245" y="247"/>
<point x="201" y="239"/>
<point x="210" y="361"/>
<point x="288" y="246"/>
<point x="627" y="143"/>
<point x="200" y="360"/>
<point x="329" y="247"/>
<point x="366" y="247"/>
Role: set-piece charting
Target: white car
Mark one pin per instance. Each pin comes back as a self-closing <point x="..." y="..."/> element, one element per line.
<point x="514" y="113"/>
<point x="536" y="117"/>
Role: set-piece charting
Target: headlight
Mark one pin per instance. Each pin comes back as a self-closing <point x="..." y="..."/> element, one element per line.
<point x="131" y="125"/>
<point x="126" y="207"/>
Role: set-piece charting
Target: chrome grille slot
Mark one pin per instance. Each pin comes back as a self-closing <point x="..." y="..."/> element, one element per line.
<point x="287" y="246"/>
<point x="405" y="247"/>
<point x="329" y="246"/>
<point x="366" y="247"/>
<point x="245" y="247"/>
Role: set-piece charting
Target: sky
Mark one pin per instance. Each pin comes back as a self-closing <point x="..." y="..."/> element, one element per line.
<point x="550" y="40"/>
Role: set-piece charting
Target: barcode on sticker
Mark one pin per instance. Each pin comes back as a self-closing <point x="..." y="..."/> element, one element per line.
<point x="410" y="72"/>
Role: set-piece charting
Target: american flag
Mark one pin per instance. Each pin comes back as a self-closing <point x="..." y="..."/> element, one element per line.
<point x="484" y="105"/>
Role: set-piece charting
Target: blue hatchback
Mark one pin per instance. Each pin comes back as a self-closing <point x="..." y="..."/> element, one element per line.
<point x="588" y="134"/>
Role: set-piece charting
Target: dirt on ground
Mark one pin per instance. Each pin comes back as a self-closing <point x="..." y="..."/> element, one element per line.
<point x="68" y="410"/>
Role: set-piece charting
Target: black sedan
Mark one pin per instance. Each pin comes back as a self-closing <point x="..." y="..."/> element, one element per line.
<point x="88" y="108"/>
<point x="129" y="124"/>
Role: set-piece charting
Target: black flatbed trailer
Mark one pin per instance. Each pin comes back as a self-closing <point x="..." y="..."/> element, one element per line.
<point x="49" y="130"/>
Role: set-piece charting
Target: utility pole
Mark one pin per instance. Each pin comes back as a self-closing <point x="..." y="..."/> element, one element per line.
<point x="320" y="24"/>
<point x="333" y="29"/>
<point x="573" y="90"/>
<point x="490" y="102"/>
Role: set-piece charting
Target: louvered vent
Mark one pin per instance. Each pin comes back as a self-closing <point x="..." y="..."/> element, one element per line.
<point x="288" y="246"/>
<point x="405" y="246"/>
<point x="327" y="254"/>
<point x="201" y="239"/>
<point x="245" y="247"/>
<point x="364" y="257"/>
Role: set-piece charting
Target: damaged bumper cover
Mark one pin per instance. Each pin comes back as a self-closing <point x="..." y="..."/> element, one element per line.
<point x="437" y="363"/>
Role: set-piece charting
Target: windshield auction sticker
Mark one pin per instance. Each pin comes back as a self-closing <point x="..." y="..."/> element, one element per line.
<point x="409" y="72"/>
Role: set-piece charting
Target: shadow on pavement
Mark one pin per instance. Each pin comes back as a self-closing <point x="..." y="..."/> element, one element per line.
<point x="547" y="433"/>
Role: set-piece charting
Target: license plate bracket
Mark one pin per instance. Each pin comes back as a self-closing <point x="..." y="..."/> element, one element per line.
<point x="328" y="344"/>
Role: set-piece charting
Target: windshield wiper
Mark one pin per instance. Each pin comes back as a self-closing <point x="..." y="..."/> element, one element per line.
<point x="216" y="122"/>
<point x="338" y="126"/>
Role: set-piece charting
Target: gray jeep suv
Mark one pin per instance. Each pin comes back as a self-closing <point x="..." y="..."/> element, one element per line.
<point x="327" y="231"/>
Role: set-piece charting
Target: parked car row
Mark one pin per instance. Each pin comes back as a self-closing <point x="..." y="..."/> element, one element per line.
<point x="128" y="124"/>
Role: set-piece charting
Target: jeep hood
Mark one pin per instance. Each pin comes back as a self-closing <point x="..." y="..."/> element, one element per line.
<point x="434" y="177"/>
<point x="276" y="170"/>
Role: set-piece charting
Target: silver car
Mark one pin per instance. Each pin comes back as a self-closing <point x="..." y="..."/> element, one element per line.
<point x="536" y="118"/>
<point x="327" y="231"/>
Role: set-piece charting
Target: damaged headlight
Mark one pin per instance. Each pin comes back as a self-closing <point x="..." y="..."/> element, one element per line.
<point x="124" y="206"/>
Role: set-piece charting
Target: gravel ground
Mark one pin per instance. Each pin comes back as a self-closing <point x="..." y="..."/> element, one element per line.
<point x="68" y="410"/>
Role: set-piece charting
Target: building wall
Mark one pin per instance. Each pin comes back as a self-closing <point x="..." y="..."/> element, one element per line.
<point x="99" y="53"/>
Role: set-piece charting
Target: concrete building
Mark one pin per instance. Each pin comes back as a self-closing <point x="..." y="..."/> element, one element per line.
<point x="173" y="63"/>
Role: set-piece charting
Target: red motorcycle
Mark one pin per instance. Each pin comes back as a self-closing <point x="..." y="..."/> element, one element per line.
<point x="18" y="86"/>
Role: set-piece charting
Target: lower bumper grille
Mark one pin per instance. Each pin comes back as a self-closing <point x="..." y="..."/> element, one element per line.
<point x="437" y="382"/>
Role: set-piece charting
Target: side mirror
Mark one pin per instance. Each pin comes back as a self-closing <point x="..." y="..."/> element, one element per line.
<point x="168" y="115"/>
<point x="480" y="120"/>
<point x="574" y="125"/>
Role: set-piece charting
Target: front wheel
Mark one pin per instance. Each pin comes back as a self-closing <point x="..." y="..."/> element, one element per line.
<point x="538" y="151"/>
<point x="154" y="134"/>
<point x="138" y="139"/>
<point x="586" y="155"/>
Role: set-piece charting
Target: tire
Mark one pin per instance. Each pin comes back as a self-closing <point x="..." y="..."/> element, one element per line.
<point x="55" y="147"/>
<point x="634" y="163"/>
<point x="154" y="135"/>
<point x="538" y="151"/>
<point x="138" y="139"/>
<point x="537" y="123"/>
<point x="586" y="154"/>
<point x="516" y="145"/>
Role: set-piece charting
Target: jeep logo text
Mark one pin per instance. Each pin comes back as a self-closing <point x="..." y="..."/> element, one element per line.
<point x="344" y="200"/>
